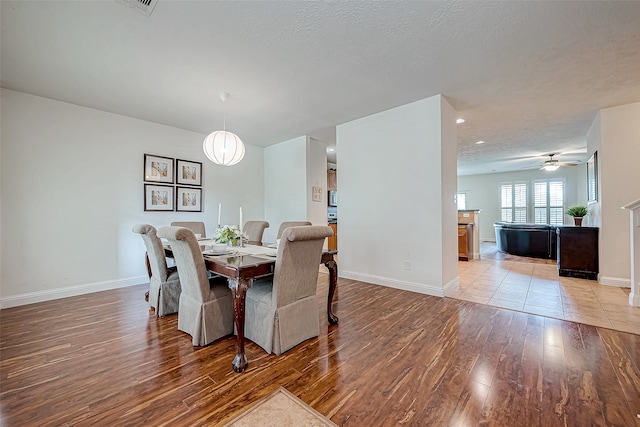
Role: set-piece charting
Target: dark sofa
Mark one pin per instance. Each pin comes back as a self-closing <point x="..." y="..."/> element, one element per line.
<point x="532" y="240"/>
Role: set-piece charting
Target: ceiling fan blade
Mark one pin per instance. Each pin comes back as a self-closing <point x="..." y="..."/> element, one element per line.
<point x="566" y="164"/>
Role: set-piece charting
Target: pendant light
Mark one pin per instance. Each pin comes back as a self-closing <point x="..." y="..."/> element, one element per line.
<point x="222" y="147"/>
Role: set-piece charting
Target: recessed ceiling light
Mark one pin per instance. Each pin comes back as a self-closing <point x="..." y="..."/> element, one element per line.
<point x="331" y="149"/>
<point x="480" y="142"/>
<point x="460" y="120"/>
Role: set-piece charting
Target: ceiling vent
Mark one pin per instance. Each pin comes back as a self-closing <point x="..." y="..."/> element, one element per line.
<point x="143" y="6"/>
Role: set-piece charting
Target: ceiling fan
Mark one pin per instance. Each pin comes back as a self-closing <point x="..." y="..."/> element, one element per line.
<point x="552" y="164"/>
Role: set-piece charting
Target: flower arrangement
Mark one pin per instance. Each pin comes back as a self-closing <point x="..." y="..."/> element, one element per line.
<point x="577" y="211"/>
<point x="229" y="234"/>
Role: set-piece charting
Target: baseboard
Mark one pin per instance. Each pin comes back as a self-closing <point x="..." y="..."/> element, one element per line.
<point x="452" y="286"/>
<point x="399" y="284"/>
<point x="634" y="299"/>
<point x="71" y="291"/>
<point x="619" y="282"/>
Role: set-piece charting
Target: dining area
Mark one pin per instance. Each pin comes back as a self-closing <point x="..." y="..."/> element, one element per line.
<point x="233" y="283"/>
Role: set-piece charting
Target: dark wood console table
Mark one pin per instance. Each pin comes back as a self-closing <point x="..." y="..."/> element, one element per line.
<point x="578" y="252"/>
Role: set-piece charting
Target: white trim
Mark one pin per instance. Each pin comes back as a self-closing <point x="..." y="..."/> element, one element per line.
<point x="634" y="299"/>
<point x="619" y="282"/>
<point x="399" y="284"/>
<point x="452" y="287"/>
<point x="33" y="297"/>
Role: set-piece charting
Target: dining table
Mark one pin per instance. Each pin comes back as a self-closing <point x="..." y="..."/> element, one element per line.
<point x="242" y="265"/>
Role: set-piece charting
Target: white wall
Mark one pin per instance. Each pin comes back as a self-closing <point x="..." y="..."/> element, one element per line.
<point x="397" y="183"/>
<point x="483" y="192"/>
<point x="593" y="144"/>
<point x="616" y="135"/>
<point x="285" y="184"/>
<point x="72" y="188"/>
<point x="291" y="169"/>
<point x="316" y="176"/>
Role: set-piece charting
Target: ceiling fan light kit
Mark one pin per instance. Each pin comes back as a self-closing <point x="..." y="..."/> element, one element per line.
<point x="552" y="164"/>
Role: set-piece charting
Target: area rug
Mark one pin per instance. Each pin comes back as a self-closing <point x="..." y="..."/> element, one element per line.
<point x="280" y="409"/>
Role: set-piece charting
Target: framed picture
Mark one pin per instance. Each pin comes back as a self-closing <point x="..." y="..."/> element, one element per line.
<point x="188" y="199"/>
<point x="158" y="169"/>
<point x="158" y="197"/>
<point x="188" y="173"/>
<point x="316" y="194"/>
<point x="592" y="178"/>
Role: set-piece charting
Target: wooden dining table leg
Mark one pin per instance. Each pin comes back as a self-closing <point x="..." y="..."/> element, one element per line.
<point x="148" y="264"/>
<point x="332" y="265"/>
<point x="239" y="291"/>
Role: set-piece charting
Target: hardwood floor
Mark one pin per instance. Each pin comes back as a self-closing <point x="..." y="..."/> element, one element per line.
<point x="396" y="358"/>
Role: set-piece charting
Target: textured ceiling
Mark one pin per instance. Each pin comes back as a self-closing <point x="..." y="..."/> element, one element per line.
<point x="528" y="77"/>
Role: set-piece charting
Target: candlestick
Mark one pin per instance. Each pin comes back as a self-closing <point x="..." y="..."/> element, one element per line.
<point x="219" y="213"/>
<point x="240" y="226"/>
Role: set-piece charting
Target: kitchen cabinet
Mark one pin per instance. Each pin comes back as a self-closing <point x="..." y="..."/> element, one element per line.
<point x="578" y="252"/>
<point x="465" y="242"/>
<point x="332" y="243"/>
<point x="332" y="180"/>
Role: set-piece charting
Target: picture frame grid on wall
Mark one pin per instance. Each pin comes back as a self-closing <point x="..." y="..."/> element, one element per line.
<point x="172" y="184"/>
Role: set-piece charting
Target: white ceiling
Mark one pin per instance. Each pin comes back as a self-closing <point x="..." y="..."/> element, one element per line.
<point x="528" y="77"/>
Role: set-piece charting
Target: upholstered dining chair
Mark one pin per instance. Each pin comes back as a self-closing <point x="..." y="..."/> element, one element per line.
<point x="164" y="283"/>
<point x="288" y="224"/>
<point x="255" y="230"/>
<point x="206" y="306"/>
<point x="282" y="312"/>
<point x="196" y="226"/>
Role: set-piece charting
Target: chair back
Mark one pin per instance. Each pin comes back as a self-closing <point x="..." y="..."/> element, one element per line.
<point x="189" y="260"/>
<point x="296" y="270"/>
<point x="196" y="226"/>
<point x="255" y="230"/>
<point x="288" y="224"/>
<point x="155" y="251"/>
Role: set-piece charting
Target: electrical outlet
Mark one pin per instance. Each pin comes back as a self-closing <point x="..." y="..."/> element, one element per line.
<point x="407" y="264"/>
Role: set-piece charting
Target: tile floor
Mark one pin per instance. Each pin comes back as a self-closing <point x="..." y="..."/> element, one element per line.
<point x="535" y="287"/>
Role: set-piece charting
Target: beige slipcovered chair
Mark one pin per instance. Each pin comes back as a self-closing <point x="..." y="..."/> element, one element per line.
<point x="196" y="226"/>
<point x="255" y="230"/>
<point x="283" y="312"/>
<point x="206" y="307"/>
<point x="164" y="283"/>
<point x="288" y="224"/>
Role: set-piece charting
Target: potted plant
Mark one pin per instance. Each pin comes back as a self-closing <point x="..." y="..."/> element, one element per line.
<point x="577" y="212"/>
<point x="230" y="235"/>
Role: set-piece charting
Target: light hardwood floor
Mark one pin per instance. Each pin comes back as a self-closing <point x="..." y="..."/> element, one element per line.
<point x="533" y="286"/>
<point x="397" y="358"/>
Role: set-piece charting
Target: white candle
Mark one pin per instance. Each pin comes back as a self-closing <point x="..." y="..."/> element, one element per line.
<point x="240" y="220"/>
<point x="219" y="213"/>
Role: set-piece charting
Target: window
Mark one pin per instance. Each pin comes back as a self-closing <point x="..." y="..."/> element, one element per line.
<point x="548" y="201"/>
<point x="513" y="202"/>
<point x="462" y="201"/>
